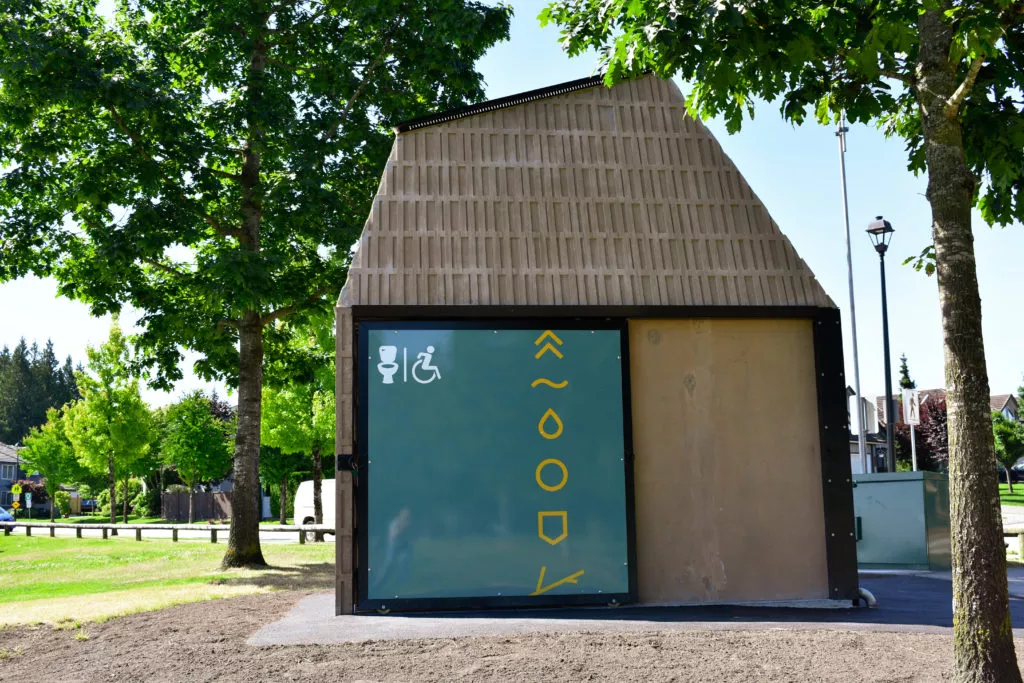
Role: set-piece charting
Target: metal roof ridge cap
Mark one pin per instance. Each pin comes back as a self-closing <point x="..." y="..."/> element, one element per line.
<point x="499" y="103"/>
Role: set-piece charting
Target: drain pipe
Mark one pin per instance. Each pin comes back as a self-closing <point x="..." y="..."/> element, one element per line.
<point x="867" y="597"/>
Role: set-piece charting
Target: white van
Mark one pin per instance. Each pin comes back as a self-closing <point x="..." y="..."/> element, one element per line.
<point x="304" y="502"/>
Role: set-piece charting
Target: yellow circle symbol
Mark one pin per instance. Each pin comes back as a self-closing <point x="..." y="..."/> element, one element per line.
<point x="550" y="415"/>
<point x="561" y="465"/>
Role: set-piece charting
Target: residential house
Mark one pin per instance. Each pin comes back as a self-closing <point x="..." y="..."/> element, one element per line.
<point x="1007" y="405"/>
<point x="874" y="438"/>
<point x="9" y="473"/>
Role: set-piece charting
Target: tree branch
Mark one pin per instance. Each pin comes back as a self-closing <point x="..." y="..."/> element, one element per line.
<point x="286" y="67"/>
<point x="329" y="133"/>
<point x="165" y="268"/>
<point x="897" y="76"/>
<point x="288" y="310"/>
<point x="226" y="232"/>
<point x="223" y="174"/>
<point x="958" y="96"/>
<point x="289" y="33"/>
<point x="227" y="322"/>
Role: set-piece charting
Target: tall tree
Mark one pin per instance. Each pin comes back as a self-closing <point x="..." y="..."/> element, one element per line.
<point x="110" y="428"/>
<point x="1009" y="444"/>
<point x="943" y="75"/>
<point x="197" y="444"/>
<point x="16" y="389"/>
<point x="905" y="381"/>
<point x="31" y="382"/>
<point x="298" y="402"/>
<point x="48" y="451"/>
<point x="241" y="143"/>
<point x="282" y="470"/>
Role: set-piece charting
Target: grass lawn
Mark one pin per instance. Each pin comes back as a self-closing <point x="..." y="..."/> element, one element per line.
<point x="1016" y="498"/>
<point x="64" y="580"/>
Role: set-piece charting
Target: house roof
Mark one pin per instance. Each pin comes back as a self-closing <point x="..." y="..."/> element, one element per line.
<point x="999" y="401"/>
<point x="572" y="195"/>
<point x="8" y="453"/>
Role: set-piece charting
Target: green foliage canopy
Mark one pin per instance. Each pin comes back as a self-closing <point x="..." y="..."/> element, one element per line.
<point x="110" y="428"/>
<point x="49" y="451"/>
<point x="821" y="58"/>
<point x="31" y="382"/>
<point x="197" y="444"/>
<point x="215" y="159"/>
<point x="1009" y="438"/>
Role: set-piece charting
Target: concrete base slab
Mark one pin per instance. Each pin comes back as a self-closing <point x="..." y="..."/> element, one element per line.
<point x="312" y="621"/>
<point x="918" y="602"/>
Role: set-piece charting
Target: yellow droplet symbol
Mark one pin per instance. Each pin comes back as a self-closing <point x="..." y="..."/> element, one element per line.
<point x="550" y="415"/>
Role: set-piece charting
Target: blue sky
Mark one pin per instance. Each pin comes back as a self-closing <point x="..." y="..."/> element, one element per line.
<point x="794" y="171"/>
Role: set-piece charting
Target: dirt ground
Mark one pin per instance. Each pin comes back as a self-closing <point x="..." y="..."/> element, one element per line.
<point x="206" y="641"/>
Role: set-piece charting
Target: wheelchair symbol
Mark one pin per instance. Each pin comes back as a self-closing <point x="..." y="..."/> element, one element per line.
<point x="423" y="363"/>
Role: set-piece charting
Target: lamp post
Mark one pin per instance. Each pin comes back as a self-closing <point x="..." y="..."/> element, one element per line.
<point x="881" y="231"/>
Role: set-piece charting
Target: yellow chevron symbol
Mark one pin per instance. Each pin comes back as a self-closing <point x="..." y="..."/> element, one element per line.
<point x="541" y="588"/>
<point x="544" y="349"/>
<point x="547" y="333"/>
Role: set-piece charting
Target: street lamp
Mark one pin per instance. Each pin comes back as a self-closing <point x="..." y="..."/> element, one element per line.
<point x="881" y="231"/>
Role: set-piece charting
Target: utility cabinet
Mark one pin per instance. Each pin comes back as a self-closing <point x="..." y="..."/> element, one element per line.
<point x="902" y="520"/>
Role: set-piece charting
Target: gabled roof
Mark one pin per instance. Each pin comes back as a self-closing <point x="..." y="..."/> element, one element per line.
<point x="8" y="453"/>
<point x="575" y="195"/>
<point x="999" y="401"/>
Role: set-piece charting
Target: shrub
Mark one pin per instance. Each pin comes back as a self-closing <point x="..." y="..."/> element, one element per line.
<point x="62" y="499"/>
<point x="134" y="491"/>
<point x="177" y="488"/>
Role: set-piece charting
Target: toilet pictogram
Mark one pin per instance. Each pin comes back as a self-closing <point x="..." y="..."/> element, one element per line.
<point x="423" y="370"/>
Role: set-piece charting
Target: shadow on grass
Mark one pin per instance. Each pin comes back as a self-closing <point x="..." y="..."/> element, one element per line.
<point x="313" y="576"/>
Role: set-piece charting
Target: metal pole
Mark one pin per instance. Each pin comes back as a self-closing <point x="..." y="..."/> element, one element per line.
<point x="865" y="461"/>
<point x="913" y="447"/>
<point x="890" y="413"/>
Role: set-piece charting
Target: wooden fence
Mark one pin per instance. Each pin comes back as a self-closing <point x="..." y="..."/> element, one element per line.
<point x="303" y="530"/>
<point x="174" y="506"/>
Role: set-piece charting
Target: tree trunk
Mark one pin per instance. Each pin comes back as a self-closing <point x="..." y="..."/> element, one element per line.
<point x="318" y="478"/>
<point x="244" y="538"/>
<point x="1009" y="481"/>
<point x="283" y="512"/>
<point x="52" y="516"/>
<point x="112" y="485"/>
<point x="124" y="500"/>
<point x="983" y="638"/>
<point x="191" y="506"/>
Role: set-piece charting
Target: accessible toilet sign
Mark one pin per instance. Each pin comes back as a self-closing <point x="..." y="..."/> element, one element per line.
<point x="494" y="465"/>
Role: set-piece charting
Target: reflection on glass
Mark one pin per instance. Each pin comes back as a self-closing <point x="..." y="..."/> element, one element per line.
<point x="398" y="554"/>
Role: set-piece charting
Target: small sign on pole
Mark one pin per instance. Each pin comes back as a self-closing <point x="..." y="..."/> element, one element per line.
<point x="15" y="505"/>
<point x="912" y="416"/>
<point x="16" y="489"/>
<point x="28" y="499"/>
<point x="911" y="407"/>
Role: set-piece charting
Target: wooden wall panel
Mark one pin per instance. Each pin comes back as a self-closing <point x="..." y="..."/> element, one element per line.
<point x="728" y="471"/>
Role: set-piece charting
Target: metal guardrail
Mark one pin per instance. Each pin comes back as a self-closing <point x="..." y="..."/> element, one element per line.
<point x="301" y="529"/>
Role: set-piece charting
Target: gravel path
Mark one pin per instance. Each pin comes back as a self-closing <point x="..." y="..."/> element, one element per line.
<point x="206" y="641"/>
